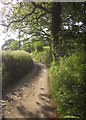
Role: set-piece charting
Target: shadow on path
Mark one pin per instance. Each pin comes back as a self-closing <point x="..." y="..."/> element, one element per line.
<point x="46" y="110"/>
<point x="24" y="81"/>
<point x="31" y="96"/>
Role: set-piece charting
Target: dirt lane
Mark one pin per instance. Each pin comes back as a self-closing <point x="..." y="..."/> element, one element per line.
<point x="31" y="97"/>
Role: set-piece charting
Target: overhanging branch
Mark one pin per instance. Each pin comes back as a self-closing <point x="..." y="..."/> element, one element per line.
<point x="45" y="32"/>
<point x="41" y="15"/>
<point x="19" y="20"/>
<point x="41" y="7"/>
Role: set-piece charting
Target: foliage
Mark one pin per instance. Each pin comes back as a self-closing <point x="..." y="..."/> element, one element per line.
<point x="14" y="45"/>
<point x="43" y="56"/>
<point x="15" y="65"/>
<point x="65" y="21"/>
<point x="38" y="45"/>
<point x="68" y="85"/>
<point x="6" y="45"/>
<point x="28" y="47"/>
<point x="33" y="45"/>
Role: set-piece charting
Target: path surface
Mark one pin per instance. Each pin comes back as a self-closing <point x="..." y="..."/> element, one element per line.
<point x="30" y="98"/>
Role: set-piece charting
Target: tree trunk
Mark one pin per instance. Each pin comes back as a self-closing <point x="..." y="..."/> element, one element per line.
<point x="51" y="50"/>
<point x="55" y="27"/>
<point x="19" y="39"/>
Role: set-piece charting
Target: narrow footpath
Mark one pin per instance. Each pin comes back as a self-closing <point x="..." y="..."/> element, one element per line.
<point x="30" y="97"/>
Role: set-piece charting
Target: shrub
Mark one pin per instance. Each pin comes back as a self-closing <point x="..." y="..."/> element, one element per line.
<point x="15" y="65"/>
<point x="38" y="45"/>
<point x="43" y="56"/>
<point x="14" y="45"/>
<point x="68" y="85"/>
<point x="28" y="47"/>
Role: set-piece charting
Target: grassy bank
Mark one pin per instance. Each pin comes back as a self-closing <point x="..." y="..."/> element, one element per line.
<point x="15" y="65"/>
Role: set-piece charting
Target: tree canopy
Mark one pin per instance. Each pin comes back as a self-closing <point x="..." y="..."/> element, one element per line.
<point x="55" y="34"/>
<point x="62" y="24"/>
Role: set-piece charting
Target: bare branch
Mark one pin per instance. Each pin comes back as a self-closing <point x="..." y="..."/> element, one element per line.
<point x="41" y="7"/>
<point x="36" y="18"/>
<point x="27" y="21"/>
<point x="45" y="32"/>
<point x="26" y="39"/>
<point x="41" y="15"/>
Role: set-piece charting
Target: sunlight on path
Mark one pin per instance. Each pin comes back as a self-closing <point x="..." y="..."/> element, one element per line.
<point x="31" y="99"/>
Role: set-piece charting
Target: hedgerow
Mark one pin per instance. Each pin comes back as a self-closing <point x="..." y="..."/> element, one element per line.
<point x="15" y="65"/>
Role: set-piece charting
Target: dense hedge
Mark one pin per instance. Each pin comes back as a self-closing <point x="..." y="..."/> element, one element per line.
<point x="15" y="65"/>
<point x="68" y="85"/>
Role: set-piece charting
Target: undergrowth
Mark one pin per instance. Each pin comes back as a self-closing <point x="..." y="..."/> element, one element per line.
<point x="68" y="85"/>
